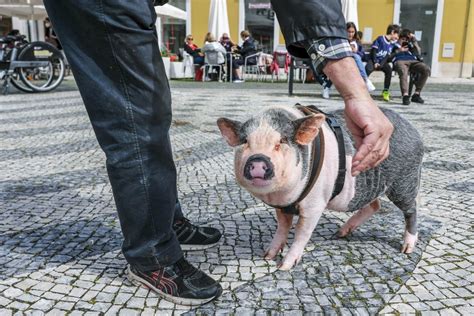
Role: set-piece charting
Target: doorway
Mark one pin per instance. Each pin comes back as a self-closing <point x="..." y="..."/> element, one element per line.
<point x="420" y="17"/>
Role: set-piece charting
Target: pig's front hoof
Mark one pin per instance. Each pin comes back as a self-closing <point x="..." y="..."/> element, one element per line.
<point x="345" y="230"/>
<point x="288" y="263"/>
<point x="271" y="252"/>
<point x="409" y="242"/>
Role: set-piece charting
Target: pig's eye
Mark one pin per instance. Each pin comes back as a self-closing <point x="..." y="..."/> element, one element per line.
<point x="277" y="147"/>
<point x="244" y="141"/>
<point x="284" y="140"/>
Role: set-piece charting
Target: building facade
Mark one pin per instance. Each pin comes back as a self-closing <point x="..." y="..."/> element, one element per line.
<point x="445" y="28"/>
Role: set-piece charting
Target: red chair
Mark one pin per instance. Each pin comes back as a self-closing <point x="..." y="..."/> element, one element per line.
<point x="281" y="60"/>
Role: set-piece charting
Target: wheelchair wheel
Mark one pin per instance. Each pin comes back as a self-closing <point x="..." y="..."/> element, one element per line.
<point x="46" y="78"/>
<point x="43" y="79"/>
<point x="18" y="83"/>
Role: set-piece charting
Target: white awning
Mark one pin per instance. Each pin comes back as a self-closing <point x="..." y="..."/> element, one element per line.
<point x="169" y="11"/>
<point x="349" y="9"/>
<point x="34" y="9"/>
<point x="218" y="19"/>
<point x="23" y="10"/>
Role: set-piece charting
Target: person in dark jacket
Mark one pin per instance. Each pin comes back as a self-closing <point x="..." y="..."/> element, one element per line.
<point x="121" y="77"/>
<point x="407" y="61"/>
<point x="316" y="29"/>
<point x="380" y="57"/>
<point x="246" y="51"/>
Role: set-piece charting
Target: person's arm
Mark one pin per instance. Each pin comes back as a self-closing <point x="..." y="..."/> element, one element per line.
<point x="373" y="54"/>
<point x="369" y="126"/>
<point x="188" y="49"/>
<point x="317" y="29"/>
<point x="246" y="48"/>
<point x="221" y="48"/>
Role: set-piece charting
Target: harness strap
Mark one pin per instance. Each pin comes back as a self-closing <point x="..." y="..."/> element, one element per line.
<point x="341" y="173"/>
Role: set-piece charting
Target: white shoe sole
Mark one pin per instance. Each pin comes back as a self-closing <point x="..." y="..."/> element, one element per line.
<point x="188" y="247"/>
<point x="135" y="279"/>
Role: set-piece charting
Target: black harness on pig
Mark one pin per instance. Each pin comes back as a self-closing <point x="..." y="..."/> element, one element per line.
<point x="317" y="157"/>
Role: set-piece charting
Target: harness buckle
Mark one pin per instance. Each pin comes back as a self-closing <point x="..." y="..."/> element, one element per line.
<point x="332" y="121"/>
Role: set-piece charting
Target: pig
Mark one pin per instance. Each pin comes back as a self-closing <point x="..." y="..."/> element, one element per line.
<point x="272" y="161"/>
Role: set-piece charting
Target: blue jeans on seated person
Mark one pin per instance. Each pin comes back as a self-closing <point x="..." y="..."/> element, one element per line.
<point x="127" y="97"/>
<point x="198" y="60"/>
<point x="361" y="66"/>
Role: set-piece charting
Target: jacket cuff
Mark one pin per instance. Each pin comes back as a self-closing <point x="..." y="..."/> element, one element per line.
<point x="328" y="48"/>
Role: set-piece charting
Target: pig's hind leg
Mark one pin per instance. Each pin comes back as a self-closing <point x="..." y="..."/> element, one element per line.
<point x="359" y="218"/>
<point x="279" y="240"/>
<point x="409" y="209"/>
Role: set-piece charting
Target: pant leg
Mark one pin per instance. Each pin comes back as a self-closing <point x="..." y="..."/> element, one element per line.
<point x="402" y="68"/>
<point x="322" y="79"/>
<point x="113" y="51"/>
<point x="423" y="71"/>
<point x="361" y="66"/>
<point x="387" y="70"/>
<point x="369" y="67"/>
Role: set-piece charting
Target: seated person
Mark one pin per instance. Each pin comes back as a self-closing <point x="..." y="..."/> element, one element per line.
<point x="227" y="43"/>
<point x="213" y="46"/>
<point x="193" y="50"/>
<point x="247" y="49"/>
<point x="358" y="52"/>
<point x="407" y="60"/>
<point x="379" y="57"/>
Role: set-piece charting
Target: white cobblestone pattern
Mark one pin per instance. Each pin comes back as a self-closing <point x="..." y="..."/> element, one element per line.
<point x="60" y="236"/>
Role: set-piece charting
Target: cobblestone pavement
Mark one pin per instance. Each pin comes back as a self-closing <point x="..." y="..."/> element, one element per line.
<point x="60" y="237"/>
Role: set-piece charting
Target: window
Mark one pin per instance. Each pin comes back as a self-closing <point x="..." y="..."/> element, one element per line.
<point x="259" y="21"/>
<point x="174" y="30"/>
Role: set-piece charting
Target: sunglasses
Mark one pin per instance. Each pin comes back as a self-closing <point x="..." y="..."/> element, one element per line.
<point x="190" y="38"/>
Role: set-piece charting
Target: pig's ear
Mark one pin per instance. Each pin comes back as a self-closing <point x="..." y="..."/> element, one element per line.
<point x="230" y="131"/>
<point x="307" y="128"/>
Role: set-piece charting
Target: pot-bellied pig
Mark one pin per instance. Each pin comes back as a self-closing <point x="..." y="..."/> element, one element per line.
<point x="298" y="160"/>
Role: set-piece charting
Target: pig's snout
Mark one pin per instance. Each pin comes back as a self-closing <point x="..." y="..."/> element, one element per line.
<point x="259" y="166"/>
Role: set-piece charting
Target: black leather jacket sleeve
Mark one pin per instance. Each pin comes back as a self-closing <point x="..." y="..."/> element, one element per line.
<point x="307" y="20"/>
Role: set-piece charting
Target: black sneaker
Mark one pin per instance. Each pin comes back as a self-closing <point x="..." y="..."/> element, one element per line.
<point x="406" y="100"/>
<point x="192" y="237"/>
<point x="180" y="283"/>
<point x="417" y="98"/>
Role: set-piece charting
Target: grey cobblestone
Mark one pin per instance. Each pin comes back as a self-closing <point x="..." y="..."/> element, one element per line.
<point x="60" y="236"/>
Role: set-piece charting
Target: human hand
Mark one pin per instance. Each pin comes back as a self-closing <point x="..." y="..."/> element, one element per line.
<point x="371" y="131"/>
<point x="370" y="128"/>
<point x="377" y="66"/>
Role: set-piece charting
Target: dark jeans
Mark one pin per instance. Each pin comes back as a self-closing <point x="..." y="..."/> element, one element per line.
<point x="113" y="51"/>
<point x="387" y="70"/>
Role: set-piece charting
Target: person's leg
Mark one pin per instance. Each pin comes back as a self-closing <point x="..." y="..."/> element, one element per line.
<point x="387" y="70"/>
<point x="361" y="66"/>
<point x="236" y="63"/>
<point x="113" y="52"/>
<point x="423" y="72"/>
<point x="369" y="67"/>
<point x="402" y="68"/>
